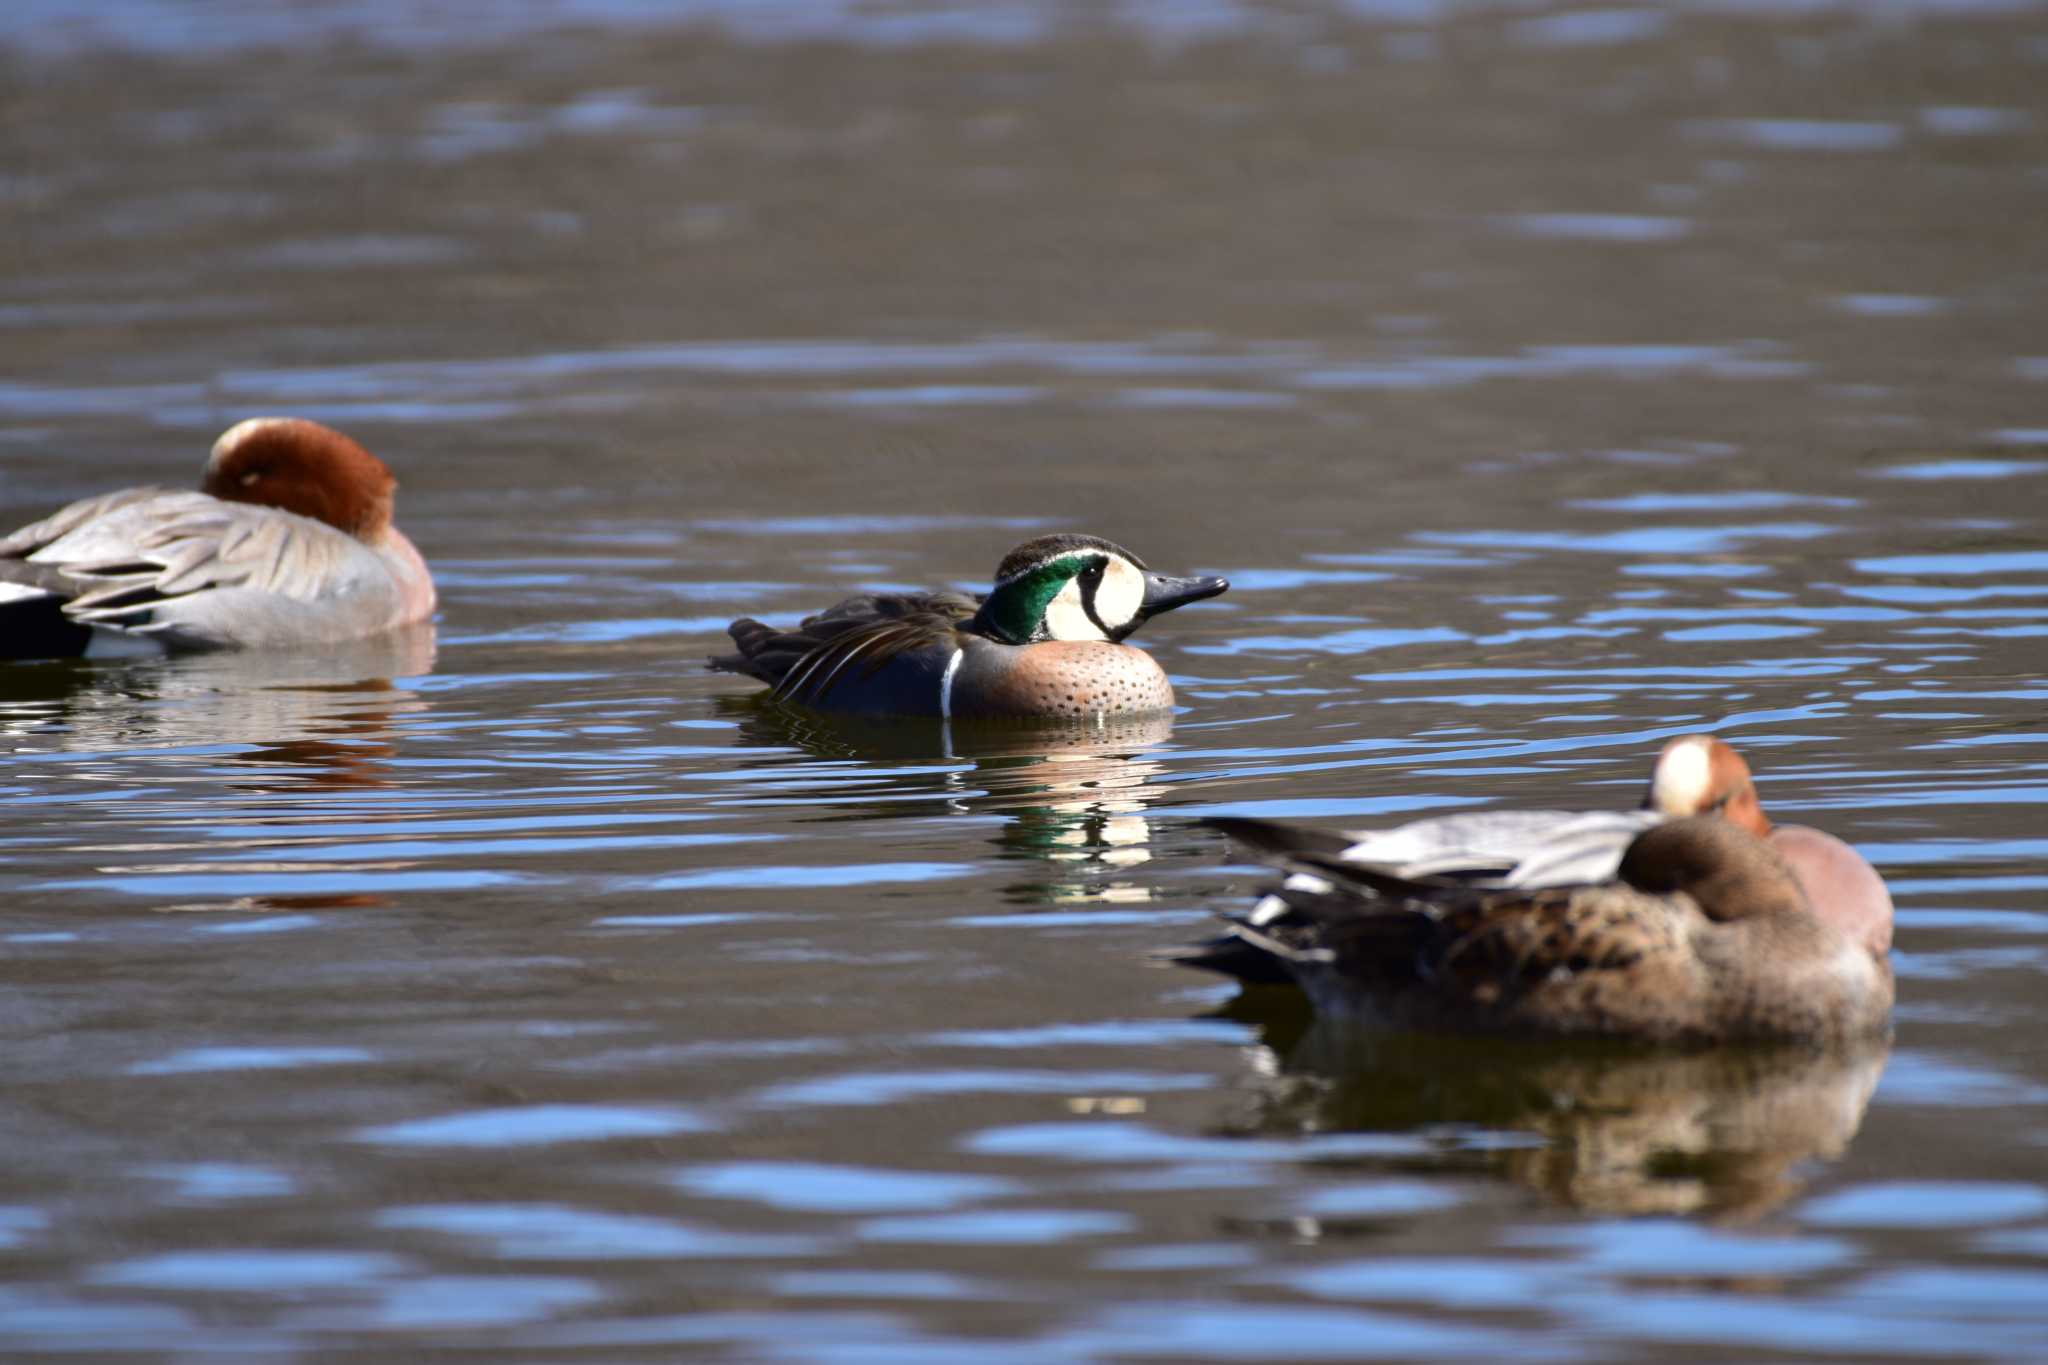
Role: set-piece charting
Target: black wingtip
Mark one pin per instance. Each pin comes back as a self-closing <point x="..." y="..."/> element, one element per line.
<point x="753" y="638"/>
<point x="1275" y="838"/>
<point x="1231" y="956"/>
<point x="37" y="628"/>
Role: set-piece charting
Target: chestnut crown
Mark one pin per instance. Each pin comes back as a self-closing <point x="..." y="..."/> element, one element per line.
<point x="299" y="466"/>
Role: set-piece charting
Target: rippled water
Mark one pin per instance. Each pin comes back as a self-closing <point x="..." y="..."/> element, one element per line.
<point x="1547" y="382"/>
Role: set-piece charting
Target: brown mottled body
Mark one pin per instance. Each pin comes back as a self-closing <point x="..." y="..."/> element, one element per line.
<point x="1704" y="937"/>
<point x="1613" y="962"/>
<point x="1695" y="775"/>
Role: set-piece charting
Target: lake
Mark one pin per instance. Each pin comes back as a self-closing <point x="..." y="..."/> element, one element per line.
<point x="1548" y="381"/>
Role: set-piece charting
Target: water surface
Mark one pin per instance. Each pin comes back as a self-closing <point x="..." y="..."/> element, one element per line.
<point x="1548" y="382"/>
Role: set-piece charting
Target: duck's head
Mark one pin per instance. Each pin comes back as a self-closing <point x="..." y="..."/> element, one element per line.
<point x="1073" y="587"/>
<point x="303" y="467"/>
<point x="1700" y="775"/>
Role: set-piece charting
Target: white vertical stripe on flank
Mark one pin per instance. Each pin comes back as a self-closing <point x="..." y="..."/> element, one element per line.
<point x="946" y="684"/>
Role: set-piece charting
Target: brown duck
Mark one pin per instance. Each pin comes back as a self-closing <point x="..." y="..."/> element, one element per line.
<point x="1704" y="935"/>
<point x="1528" y="849"/>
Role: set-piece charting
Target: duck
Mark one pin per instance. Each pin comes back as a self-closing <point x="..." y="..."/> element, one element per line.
<point x="287" y="542"/>
<point x="1695" y="775"/>
<point x="1045" y="642"/>
<point x="1703" y="935"/>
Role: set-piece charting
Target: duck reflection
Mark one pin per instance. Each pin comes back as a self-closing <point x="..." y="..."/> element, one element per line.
<point x="1074" y="793"/>
<point x="320" y="718"/>
<point x="1616" y="1129"/>
<point x="1077" y="801"/>
<point x="268" y="724"/>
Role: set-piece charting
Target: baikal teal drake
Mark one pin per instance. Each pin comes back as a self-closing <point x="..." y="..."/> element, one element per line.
<point x="1046" y="642"/>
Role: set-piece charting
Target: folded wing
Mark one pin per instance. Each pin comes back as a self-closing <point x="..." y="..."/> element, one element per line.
<point x="193" y="572"/>
<point x="850" y="639"/>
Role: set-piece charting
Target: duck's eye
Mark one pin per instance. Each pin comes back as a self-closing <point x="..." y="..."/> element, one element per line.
<point x="249" y="479"/>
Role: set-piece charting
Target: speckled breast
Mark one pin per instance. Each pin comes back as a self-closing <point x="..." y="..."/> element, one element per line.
<point x="1062" y="678"/>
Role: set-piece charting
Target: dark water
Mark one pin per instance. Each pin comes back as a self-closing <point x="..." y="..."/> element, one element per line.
<point x="1549" y="382"/>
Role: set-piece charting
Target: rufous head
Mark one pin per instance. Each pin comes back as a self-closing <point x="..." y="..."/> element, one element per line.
<point x="300" y="466"/>
<point x="1700" y="775"/>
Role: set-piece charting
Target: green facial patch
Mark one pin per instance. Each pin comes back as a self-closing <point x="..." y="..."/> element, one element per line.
<point x="1015" y="611"/>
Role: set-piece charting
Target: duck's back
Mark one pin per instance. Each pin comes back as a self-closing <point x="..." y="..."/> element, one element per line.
<point x="876" y="654"/>
<point x="186" y="570"/>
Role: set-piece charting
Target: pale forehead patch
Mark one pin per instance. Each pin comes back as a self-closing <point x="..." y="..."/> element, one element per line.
<point x="235" y="435"/>
<point x="1683" y="780"/>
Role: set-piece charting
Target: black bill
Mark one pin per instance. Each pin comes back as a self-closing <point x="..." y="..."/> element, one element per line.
<point x="1164" y="594"/>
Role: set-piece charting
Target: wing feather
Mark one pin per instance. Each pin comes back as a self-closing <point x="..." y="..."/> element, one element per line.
<point x="872" y="645"/>
<point x="1460" y="931"/>
<point x="805" y="663"/>
<point x="24" y="543"/>
<point x="824" y="669"/>
<point x="197" y="570"/>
